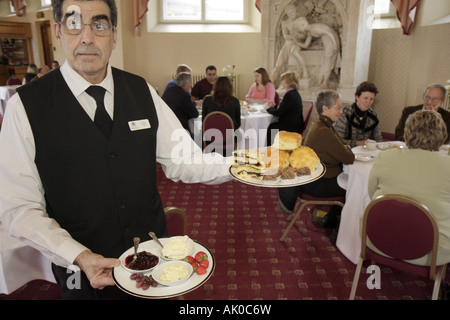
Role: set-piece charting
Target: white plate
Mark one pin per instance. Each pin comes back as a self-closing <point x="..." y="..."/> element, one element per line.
<point x="279" y="183"/>
<point x="159" y="270"/>
<point x="363" y="157"/>
<point x="122" y="279"/>
<point x="167" y="240"/>
<point x="386" y="146"/>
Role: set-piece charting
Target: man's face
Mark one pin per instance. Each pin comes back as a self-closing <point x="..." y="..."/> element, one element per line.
<point x="432" y="99"/>
<point x="211" y="76"/>
<point x="89" y="51"/>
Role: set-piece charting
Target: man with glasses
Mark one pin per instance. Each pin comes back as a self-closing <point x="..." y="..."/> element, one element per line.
<point x="79" y="179"/>
<point x="433" y="98"/>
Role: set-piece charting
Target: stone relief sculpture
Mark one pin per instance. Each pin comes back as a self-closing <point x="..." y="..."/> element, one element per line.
<point x="290" y="48"/>
<point x="331" y="47"/>
<point x="309" y="43"/>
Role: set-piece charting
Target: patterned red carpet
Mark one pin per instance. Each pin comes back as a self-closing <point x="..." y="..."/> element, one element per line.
<point x="241" y="227"/>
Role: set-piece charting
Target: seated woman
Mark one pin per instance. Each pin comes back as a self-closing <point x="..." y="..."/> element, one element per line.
<point x="419" y="172"/>
<point x="222" y="99"/>
<point x="359" y="122"/>
<point x="331" y="150"/>
<point x="263" y="90"/>
<point x="290" y="110"/>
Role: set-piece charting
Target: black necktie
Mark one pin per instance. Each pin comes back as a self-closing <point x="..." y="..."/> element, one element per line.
<point x="102" y="118"/>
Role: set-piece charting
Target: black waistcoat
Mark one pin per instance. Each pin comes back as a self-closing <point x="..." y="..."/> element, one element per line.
<point x="102" y="192"/>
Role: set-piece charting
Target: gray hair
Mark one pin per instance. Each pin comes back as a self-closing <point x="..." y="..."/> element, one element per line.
<point x="182" y="78"/>
<point x="326" y="98"/>
<point x="437" y="86"/>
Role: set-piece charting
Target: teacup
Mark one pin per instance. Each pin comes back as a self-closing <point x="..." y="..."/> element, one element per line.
<point x="371" y="145"/>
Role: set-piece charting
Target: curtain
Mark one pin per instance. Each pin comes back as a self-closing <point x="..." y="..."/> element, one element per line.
<point x="406" y="13"/>
<point x="258" y="5"/>
<point x="19" y="7"/>
<point x="140" y="9"/>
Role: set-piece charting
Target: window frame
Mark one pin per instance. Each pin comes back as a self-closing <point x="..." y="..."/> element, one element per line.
<point x="392" y="12"/>
<point x="203" y="21"/>
<point x="46" y="5"/>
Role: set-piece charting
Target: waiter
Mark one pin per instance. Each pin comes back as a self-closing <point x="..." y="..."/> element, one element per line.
<point x="79" y="179"/>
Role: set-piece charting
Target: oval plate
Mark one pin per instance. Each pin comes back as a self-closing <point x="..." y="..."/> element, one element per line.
<point x="279" y="183"/>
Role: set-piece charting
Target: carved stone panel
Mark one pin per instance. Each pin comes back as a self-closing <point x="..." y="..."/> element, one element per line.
<point x="327" y="42"/>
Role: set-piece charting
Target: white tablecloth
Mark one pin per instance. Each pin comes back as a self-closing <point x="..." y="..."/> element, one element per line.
<point x="355" y="179"/>
<point x="253" y="127"/>
<point x="6" y="92"/>
<point x="20" y="264"/>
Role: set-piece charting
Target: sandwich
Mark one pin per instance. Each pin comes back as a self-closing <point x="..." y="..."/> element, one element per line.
<point x="248" y="163"/>
<point x="252" y="157"/>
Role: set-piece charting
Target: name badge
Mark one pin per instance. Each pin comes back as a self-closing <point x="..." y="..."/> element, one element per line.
<point x="139" y="125"/>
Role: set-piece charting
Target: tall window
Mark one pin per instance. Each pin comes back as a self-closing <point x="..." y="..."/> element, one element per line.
<point x="46" y="3"/>
<point x="203" y="11"/>
<point x="384" y="8"/>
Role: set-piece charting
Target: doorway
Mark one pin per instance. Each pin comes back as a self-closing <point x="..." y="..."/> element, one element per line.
<point x="47" y="43"/>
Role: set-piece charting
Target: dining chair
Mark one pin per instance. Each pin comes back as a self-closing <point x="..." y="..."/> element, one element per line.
<point x="307" y="201"/>
<point x="308" y="116"/>
<point x="176" y="221"/>
<point x="277" y="99"/>
<point x="218" y="133"/>
<point x="401" y="228"/>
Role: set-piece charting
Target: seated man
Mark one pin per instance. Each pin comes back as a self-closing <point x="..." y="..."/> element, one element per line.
<point x="204" y="87"/>
<point x="178" y="99"/>
<point x="433" y="98"/>
<point x="180" y="68"/>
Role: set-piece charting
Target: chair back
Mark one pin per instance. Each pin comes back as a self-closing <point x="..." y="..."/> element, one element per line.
<point x="308" y="115"/>
<point x="401" y="228"/>
<point x="218" y="132"/>
<point x="277" y="98"/>
<point x="176" y="221"/>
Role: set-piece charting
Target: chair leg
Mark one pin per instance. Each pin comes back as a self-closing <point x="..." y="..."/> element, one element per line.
<point x="437" y="283"/>
<point x="303" y="205"/>
<point x="296" y="215"/>
<point x="356" y="279"/>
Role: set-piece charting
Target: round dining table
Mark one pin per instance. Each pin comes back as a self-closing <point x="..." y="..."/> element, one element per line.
<point x="355" y="179"/>
<point x="254" y="123"/>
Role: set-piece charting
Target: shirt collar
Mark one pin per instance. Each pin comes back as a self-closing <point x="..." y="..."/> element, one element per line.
<point x="78" y="84"/>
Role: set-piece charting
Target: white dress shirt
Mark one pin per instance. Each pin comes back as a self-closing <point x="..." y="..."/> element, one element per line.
<point x="22" y="203"/>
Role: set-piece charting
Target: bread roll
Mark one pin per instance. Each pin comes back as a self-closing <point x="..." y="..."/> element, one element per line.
<point x="304" y="157"/>
<point x="276" y="159"/>
<point x="287" y="141"/>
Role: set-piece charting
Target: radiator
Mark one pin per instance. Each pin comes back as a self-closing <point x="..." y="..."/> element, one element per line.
<point x="447" y="100"/>
<point x="197" y="77"/>
<point x="419" y="95"/>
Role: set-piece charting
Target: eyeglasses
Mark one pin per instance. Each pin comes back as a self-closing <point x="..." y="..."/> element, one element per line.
<point x="101" y="28"/>
<point x="340" y="107"/>
<point x="427" y="98"/>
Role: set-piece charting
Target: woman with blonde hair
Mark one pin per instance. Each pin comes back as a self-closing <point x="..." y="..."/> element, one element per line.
<point x="419" y="172"/>
<point x="290" y="110"/>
